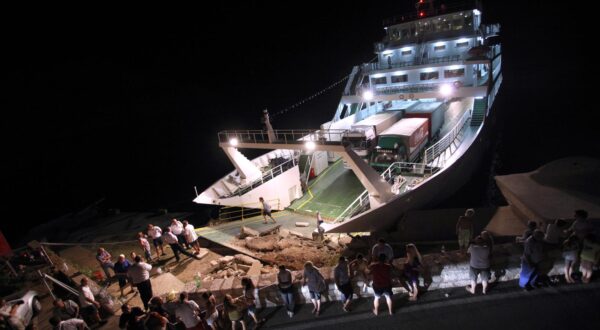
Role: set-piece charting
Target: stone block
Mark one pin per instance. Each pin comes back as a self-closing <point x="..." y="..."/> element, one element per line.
<point x="302" y="224"/>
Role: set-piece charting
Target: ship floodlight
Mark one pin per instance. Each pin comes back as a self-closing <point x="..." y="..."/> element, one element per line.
<point x="233" y="142"/>
<point x="446" y="89"/>
<point x="367" y="95"/>
<point x="310" y="145"/>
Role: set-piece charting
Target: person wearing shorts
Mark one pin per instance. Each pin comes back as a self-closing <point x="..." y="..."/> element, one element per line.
<point x="266" y="210"/>
<point x="381" y="271"/>
<point x="479" y="264"/>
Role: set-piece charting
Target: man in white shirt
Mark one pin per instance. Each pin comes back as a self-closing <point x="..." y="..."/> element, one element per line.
<point x="171" y="239"/>
<point x="89" y="305"/>
<point x="266" y="210"/>
<point x="187" y="311"/>
<point x="177" y="229"/>
<point x="190" y="236"/>
<point x="155" y="233"/>
<point x="139" y="273"/>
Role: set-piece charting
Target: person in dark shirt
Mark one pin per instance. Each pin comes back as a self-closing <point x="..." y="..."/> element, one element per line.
<point x="381" y="272"/>
<point x="479" y="264"/>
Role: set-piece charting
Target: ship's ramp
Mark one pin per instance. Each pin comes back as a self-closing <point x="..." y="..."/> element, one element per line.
<point x="226" y="234"/>
<point x="330" y="193"/>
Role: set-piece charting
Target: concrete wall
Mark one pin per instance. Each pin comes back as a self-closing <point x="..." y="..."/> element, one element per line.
<point x="443" y="271"/>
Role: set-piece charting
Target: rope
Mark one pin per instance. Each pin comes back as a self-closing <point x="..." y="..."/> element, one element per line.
<point x="299" y="103"/>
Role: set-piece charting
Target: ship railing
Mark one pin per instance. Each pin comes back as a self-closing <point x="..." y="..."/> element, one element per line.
<point x="432" y="60"/>
<point x="290" y="136"/>
<point x="407" y="168"/>
<point x="440" y="147"/>
<point x="267" y="176"/>
<point x="360" y="203"/>
<point x="413" y="88"/>
<point x="246" y="210"/>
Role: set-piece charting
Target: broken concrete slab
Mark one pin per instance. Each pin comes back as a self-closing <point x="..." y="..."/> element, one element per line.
<point x="302" y="224"/>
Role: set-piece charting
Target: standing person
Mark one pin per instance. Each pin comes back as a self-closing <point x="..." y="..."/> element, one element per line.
<point x="464" y="229"/>
<point x="320" y="228"/>
<point x="145" y="246"/>
<point x="250" y="299"/>
<point x="171" y="239"/>
<point x="358" y="269"/>
<point x="103" y="258"/>
<point x="479" y="264"/>
<point x="212" y="314"/>
<point x="190" y="236"/>
<point x="382" y="247"/>
<point x="266" y="210"/>
<point x="571" y="254"/>
<point x="412" y="269"/>
<point x="232" y="309"/>
<point x="533" y="255"/>
<point x="188" y="312"/>
<point x="316" y="284"/>
<point x="531" y="226"/>
<point x="155" y="233"/>
<point x="556" y="232"/>
<point x="590" y="254"/>
<point x="581" y="226"/>
<point x="121" y="267"/>
<point x="381" y="271"/>
<point x="139" y="273"/>
<point x="286" y="287"/>
<point x="89" y="305"/>
<point x="177" y="229"/>
<point x="341" y="275"/>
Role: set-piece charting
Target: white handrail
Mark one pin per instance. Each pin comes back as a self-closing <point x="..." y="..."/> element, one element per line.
<point x="359" y="201"/>
<point x="439" y="147"/>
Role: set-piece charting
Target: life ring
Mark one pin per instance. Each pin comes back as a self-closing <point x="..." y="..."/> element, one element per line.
<point x="458" y="84"/>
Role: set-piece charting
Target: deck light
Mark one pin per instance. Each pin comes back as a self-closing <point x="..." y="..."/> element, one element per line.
<point x="446" y="89"/>
<point x="233" y="142"/>
<point x="367" y="95"/>
<point x="310" y="145"/>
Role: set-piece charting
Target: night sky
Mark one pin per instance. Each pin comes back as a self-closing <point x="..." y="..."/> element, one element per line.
<point x="127" y="108"/>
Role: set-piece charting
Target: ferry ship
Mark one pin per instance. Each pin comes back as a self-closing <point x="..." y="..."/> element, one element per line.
<point x="408" y="132"/>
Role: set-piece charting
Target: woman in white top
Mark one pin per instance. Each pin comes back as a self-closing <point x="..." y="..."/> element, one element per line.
<point x="155" y="233"/>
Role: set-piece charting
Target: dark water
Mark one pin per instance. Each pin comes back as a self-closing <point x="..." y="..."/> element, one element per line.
<point x="128" y="111"/>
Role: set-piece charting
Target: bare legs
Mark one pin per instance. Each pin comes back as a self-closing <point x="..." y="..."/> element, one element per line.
<point x="569" y="271"/>
<point x="317" y="304"/>
<point x="388" y="300"/>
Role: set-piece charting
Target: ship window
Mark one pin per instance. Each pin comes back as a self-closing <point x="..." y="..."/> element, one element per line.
<point x="399" y="78"/>
<point x="406" y="52"/>
<point x="439" y="48"/>
<point x="454" y="73"/>
<point x="462" y="44"/>
<point x="430" y="75"/>
<point x="379" y="81"/>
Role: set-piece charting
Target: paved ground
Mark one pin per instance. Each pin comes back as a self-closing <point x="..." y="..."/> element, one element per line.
<point x="506" y="306"/>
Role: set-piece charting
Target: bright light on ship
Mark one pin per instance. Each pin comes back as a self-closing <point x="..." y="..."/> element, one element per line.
<point x="405" y="49"/>
<point x="441" y="43"/>
<point x="462" y="40"/>
<point x="367" y="95"/>
<point x="233" y="142"/>
<point x="445" y="90"/>
<point x="310" y="145"/>
<point x="388" y="52"/>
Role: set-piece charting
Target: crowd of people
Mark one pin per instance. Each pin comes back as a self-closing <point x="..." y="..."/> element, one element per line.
<point x="576" y="243"/>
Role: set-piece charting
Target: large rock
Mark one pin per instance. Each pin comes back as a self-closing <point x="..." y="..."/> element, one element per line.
<point x="260" y="244"/>
<point x="244" y="259"/>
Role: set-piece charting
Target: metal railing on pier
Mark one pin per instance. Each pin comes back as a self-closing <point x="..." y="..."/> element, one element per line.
<point x="282" y="136"/>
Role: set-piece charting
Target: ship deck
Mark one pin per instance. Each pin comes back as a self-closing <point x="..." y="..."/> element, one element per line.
<point x="331" y="192"/>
